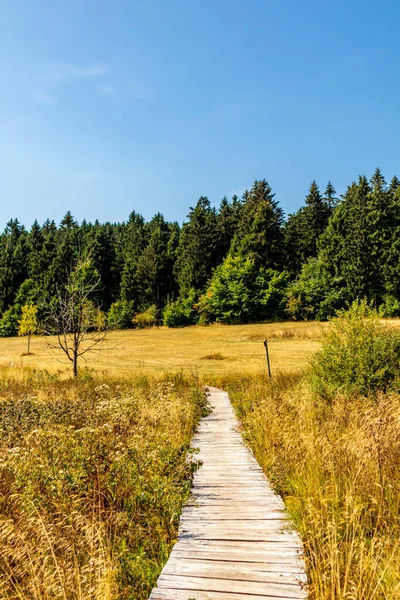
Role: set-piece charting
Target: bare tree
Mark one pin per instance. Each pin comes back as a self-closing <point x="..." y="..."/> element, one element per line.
<point x="73" y="317"/>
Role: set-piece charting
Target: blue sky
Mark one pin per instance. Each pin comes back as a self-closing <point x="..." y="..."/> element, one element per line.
<point x="109" y="107"/>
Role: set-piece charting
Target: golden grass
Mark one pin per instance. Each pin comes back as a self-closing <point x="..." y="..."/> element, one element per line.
<point x="93" y="475"/>
<point x="338" y="468"/>
<point x="94" y="471"/>
<point x="290" y="347"/>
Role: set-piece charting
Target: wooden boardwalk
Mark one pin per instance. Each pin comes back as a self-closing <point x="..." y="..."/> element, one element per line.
<point x="234" y="539"/>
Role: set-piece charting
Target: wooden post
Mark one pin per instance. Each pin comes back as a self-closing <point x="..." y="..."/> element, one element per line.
<point x="267" y="353"/>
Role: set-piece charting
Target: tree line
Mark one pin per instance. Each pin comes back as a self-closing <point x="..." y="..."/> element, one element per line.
<point x="241" y="262"/>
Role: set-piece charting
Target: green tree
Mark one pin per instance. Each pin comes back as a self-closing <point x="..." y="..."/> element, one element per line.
<point x="303" y="229"/>
<point x="13" y="267"/>
<point x="227" y="224"/>
<point x="183" y="311"/>
<point x="155" y="266"/>
<point x="28" y="325"/>
<point x="259" y="233"/>
<point x="242" y="292"/>
<point x="120" y="315"/>
<point x="133" y="241"/>
<point x="196" y="253"/>
<point x="330" y="197"/>
<point x="316" y="294"/>
<point x="358" y="239"/>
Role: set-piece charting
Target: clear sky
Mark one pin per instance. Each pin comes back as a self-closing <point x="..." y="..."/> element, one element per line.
<point x="112" y="106"/>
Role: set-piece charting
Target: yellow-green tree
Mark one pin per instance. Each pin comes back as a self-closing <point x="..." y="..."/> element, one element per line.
<point x="28" y="324"/>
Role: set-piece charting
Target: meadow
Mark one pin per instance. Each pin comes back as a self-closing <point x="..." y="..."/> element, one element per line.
<point x="200" y="351"/>
<point x="94" y="470"/>
<point x="93" y="474"/>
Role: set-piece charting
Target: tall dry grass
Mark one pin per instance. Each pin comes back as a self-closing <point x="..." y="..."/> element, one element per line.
<point x="93" y="474"/>
<point x="337" y="465"/>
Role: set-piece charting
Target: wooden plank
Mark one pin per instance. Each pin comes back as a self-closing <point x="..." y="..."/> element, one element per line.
<point x="239" y="546"/>
<point x="234" y="540"/>
<point x="289" y="561"/>
<point x="238" y="571"/>
<point x="228" y="585"/>
<point x="173" y="594"/>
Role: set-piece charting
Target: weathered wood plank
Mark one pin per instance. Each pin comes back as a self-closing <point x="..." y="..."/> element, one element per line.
<point x="238" y="571"/>
<point x="239" y="546"/>
<point x="234" y="541"/>
<point x="173" y="594"/>
<point x="229" y="585"/>
<point x="288" y="562"/>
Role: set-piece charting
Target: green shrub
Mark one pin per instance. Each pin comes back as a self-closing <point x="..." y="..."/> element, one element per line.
<point x="182" y="312"/>
<point x="359" y="354"/>
<point x="9" y="322"/>
<point x="120" y="315"/>
<point x="315" y="294"/>
<point x="146" y="319"/>
<point x="390" y="307"/>
<point x="241" y="292"/>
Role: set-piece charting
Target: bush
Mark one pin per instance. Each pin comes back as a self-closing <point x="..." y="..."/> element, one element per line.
<point x="146" y="319"/>
<point x="242" y="292"/>
<point x="9" y="322"/>
<point x="315" y="294"/>
<point x="120" y="315"/>
<point x="182" y="312"/>
<point x="359" y="354"/>
<point x="390" y="307"/>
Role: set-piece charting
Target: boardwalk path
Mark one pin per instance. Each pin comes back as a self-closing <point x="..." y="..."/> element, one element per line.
<point x="234" y="540"/>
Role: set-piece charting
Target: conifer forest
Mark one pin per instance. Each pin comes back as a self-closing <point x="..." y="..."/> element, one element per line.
<point x="245" y="261"/>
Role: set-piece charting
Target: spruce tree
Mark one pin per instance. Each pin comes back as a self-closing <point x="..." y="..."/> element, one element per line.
<point x="13" y="264"/>
<point x="316" y="216"/>
<point x="133" y="243"/>
<point x="352" y="247"/>
<point x="330" y="196"/>
<point x="155" y="268"/>
<point x="196" y="255"/>
<point x="227" y="224"/>
<point x="259" y="233"/>
<point x="303" y="229"/>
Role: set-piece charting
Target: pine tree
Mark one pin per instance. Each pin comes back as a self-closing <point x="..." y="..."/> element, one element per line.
<point x="259" y="233"/>
<point x="48" y="276"/>
<point x="303" y="229"/>
<point x="99" y="241"/>
<point x="316" y="216"/>
<point x="330" y="196"/>
<point x="353" y="244"/>
<point x="394" y="185"/>
<point x="68" y="245"/>
<point x="34" y="245"/>
<point x="293" y="234"/>
<point x="133" y="241"/>
<point x="13" y="267"/>
<point x="155" y="268"/>
<point x="227" y="224"/>
<point x="196" y="255"/>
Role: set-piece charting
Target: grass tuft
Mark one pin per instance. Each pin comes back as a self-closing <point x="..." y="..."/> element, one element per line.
<point x="214" y="356"/>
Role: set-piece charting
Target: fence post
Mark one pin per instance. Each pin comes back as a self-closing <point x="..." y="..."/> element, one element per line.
<point x="267" y="353"/>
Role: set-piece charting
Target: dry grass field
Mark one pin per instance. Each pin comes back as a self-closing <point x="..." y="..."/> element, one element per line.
<point x="94" y="469"/>
<point x="200" y="351"/>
